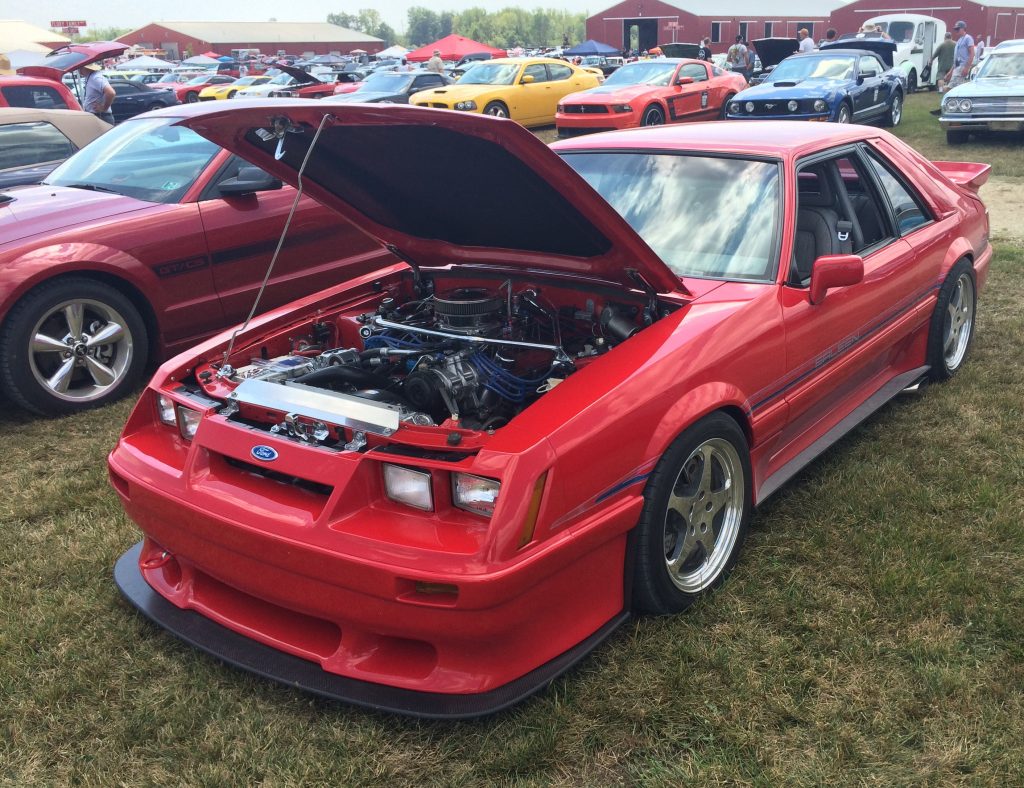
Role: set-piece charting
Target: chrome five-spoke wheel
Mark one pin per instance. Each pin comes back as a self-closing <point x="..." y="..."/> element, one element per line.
<point x="697" y="505"/>
<point x="70" y="344"/>
<point x="952" y="324"/>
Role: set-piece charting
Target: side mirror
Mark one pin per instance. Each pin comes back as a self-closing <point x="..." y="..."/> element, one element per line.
<point x="527" y="79"/>
<point x="248" y="181"/>
<point x="684" y="81"/>
<point x="868" y="74"/>
<point x="835" y="270"/>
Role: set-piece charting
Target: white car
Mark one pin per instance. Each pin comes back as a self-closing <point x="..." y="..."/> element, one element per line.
<point x="916" y="36"/>
<point x="280" y="82"/>
<point x="992" y="101"/>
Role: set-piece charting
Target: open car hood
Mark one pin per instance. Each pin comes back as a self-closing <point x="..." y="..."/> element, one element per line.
<point x="72" y="57"/>
<point x="884" y="49"/>
<point x="303" y="77"/>
<point x="395" y="171"/>
<point x="773" y="51"/>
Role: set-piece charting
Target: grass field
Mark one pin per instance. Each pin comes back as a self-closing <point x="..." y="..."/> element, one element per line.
<point x="871" y="634"/>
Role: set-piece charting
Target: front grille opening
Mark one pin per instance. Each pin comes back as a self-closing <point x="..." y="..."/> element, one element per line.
<point x="281" y="478"/>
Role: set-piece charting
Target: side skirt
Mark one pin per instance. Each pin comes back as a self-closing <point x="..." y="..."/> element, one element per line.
<point x="856" y="416"/>
<point x="242" y="652"/>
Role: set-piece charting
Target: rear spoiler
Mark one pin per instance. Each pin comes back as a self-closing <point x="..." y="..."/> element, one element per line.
<point x="970" y="175"/>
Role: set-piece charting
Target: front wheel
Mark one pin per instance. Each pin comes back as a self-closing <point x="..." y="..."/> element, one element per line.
<point x="952" y="324"/>
<point x="69" y="345"/>
<point x="231" y="93"/>
<point x="154" y="105"/>
<point x="192" y="97"/>
<point x="496" y="109"/>
<point x="653" y="116"/>
<point x="843" y="116"/>
<point x="912" y="82"/>
<point x="724" y="112"/>
<point x="894" y="113"/>
<point x="695" y="516"/>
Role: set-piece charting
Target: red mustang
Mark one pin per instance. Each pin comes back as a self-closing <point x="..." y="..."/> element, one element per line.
<point x="650" y="93"/>
<point x="435" y="487"/>
<point x="139" y="245"/>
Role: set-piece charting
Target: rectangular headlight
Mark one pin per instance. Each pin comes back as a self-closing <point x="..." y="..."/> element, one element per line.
<point x="475" y="493"/>
<point x="165" y="410"/>
<point x="410" y="487"/>
<point x="188" y="422"/>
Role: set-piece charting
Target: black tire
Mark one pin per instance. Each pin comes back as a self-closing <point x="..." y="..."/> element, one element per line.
<point x="25" y="371"/>
<point x="952" y="325"/>
<point x="653" y="116"/>
<point x="894" y="112"/>
<point x="957" y="136"/>
<point x="668" y="531"/>
<point x="191" y="97"/>
<point x="843" y="114"/>
<point x="912" y="82"/>
<point x="496" y="109"/>
<point x="724" y="112"/>
<point x="154" y="105"/>
<point x="231" y="93"/>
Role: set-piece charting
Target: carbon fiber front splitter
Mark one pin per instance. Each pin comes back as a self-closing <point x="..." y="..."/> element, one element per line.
<point x="248" y="654"/>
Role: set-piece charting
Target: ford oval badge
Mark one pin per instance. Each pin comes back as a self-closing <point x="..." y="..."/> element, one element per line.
<point x="264" y="453"/>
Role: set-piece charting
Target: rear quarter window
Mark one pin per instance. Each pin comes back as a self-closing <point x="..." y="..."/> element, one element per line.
<point x="33" y="97"/>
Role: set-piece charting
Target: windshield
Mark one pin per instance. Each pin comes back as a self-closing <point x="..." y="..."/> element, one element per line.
<point x="169" y="78"/>
<point x="650" y="72"/>
<point x="703" y="216"/>
<point x="821" y="67"/>
<point x="282" y="79"/>
<point x="1002" y="65"/>
<point x="899" y="31"/>
<point x="248" y="81"/>
<point x="490" y="74"/>
<point x="148" y="159"/>
<point x="386" y="82"/>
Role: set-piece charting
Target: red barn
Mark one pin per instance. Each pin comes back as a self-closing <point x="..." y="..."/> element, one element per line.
<point x="642" y="24"/>
<point x="180" y="39"/>
<point x="993" y="23"/>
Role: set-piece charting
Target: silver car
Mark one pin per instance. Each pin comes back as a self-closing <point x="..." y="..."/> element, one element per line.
<point x="992" y="101"/>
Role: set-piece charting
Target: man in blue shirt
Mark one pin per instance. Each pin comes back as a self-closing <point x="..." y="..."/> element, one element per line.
<point x="963" y="56"/>
<point x="99" y="95"/>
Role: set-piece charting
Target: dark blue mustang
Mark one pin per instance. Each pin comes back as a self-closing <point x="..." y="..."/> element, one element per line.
<point x="135" y="97"/>
<point x="836" y="83"/>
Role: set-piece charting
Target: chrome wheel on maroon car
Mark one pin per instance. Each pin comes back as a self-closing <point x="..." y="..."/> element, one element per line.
<point x="952" y="327"/>
<point x="71" y="344"/>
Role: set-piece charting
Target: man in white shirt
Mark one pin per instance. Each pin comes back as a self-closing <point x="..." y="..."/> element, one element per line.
<point x="806" y="42"/>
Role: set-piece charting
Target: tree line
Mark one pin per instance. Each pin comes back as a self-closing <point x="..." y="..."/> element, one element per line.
<point x="507" y="28"/>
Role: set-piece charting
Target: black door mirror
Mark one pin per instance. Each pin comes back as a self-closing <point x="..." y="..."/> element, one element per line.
<point x="249" y="180"/>
<point x="868" y="74"/>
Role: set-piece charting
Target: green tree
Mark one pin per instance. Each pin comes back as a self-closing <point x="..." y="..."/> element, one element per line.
<point x="423" y="27"/>
<point x="101" y="34"/>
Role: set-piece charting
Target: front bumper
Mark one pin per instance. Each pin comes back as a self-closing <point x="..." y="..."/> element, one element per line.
<point x="573" y="123"/>
<point x="242" y="652"/>
<point x="821" y="117"/>
<point x="277" y="566"/>
<point x="990" y="123"/>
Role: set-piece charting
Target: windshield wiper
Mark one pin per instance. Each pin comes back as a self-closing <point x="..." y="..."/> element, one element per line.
<point x="92" y="187"/>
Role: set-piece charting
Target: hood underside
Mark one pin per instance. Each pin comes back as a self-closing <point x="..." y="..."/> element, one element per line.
<point x="395" y="171"/>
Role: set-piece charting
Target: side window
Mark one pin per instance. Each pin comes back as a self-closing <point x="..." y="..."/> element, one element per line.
<point x="537" y="71"/>
<point x="124" y="88"/>
<point x="33" y="97"/>
<point x="838" y="212"/>
<point x="24" y="144"/>
<point x="424" y="82"/>
<point x="558" y="72"/>
<point x="869" y="64"/>
<point x="695" y="71"/>
<point x="907" y="207"/>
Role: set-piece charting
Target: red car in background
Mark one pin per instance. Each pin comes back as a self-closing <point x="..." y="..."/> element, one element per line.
<point x="650" y="93"/>
<point x="188" y="92"/>
<point x="305" y="86"/>
<point x="435" y="487"/>
<point x="41" y="87"/>
<point x="138" y="246"/>
<point x="347" y="82"/>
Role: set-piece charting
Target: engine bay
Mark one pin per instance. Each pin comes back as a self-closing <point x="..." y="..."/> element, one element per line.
<point x="465" y="354"/>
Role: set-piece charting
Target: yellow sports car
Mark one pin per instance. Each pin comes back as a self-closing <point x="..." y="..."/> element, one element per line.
<point x="229" y="90"/>
<point x="524" y="89"/>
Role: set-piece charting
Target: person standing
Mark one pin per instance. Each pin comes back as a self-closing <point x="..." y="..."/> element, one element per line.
<point x="99" y="95"/>
<point x="806" y="42"/>
<point x="963" y="55"/>
<point x="830" y="36"/>
<point x="748" y="66"/>
<point x="704" y="50"/>
<point x="737" y="56"/>
<point x="944" y="54"/>
<point x="435" y="63"/>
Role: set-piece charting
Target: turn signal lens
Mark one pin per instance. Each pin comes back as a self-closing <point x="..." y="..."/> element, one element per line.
<point x="530" y="524"/>
<point x="165" y="410"/>
<point x="188" y="422"/>
<point x="475" y="493"/>
<point x="404" y="485"/>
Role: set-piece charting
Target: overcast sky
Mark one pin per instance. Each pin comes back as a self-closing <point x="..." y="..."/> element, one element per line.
<point x="132" y="13"/>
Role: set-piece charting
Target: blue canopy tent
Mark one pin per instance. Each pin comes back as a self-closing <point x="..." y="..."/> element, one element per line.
<point x="591" y="47"/>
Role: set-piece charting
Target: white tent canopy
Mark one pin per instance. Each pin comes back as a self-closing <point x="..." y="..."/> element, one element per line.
<point x="395" y="51"/>
<point x="200" y="60"/>
<point x="146" y="63"/>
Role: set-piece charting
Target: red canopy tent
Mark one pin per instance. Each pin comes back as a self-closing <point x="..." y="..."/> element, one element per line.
<point x="452" y="47"/>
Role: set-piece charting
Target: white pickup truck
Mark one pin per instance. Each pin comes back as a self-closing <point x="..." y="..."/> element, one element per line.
<point x="916" y="37"/>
